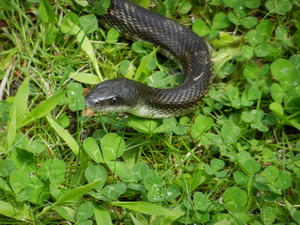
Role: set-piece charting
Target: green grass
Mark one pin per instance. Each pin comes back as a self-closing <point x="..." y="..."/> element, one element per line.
<point x="234" y="160"/>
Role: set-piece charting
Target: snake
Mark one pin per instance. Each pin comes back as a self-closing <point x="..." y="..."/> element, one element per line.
<point x="185" y="47"/>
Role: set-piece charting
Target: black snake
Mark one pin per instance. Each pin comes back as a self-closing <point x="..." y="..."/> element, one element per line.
<point x="190" y="51"/>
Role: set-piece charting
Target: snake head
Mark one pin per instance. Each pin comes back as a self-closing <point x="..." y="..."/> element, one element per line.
<point x="117" y="95"/>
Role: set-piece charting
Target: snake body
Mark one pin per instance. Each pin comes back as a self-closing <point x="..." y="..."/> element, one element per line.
<point x="189" y="50"/>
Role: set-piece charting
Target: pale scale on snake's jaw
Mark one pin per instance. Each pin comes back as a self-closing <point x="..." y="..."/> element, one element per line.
<point x="187" y="48"/>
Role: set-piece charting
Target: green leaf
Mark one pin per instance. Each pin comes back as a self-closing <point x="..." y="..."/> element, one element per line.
<point x="36" y="146"/>
<point x="96" y="173"/>
<point x="281" y="33"/>
<point x="19" y="179"/>
<point x="253" y="93"/>
<point x="255" y="117"/>
<point x="122" y="170"/>
<point x="240" y="178"/>
<point x="184" y="7"/>
<point x="92" y="149"/>
<point x="277" y="109"/>
<point x="220" y="21"/>
<point x="25" y="194"/>
<point x="46" y="13"/>
<point x="20" y="212"/>
<point x="275" y="179"/>
<point x="283" y="181"/>
<point x="230" y="132"/>
<point x="75" y="96"/>
<point x="102" y="216"/>
<point x="162" y="80"/>
<point x="127" y="69"/>
<point x="249" y="22"/>
<point x="200" y="28"/>
<point x="265" y="28"/>
<point x="112" y="35"/>
<point x="177" y="212"/>
<point x="235" y="199"/>
<point x="53" y="170"/>
<point x="232" y="93"/>
<point x="233" y="3"/>
<point x="173" y="126"/>
<point x="75" y="193"/>
<point x="6" y="167"/>
<point x="215" y="168"/>
<point x="89" y="23"/>
<point x="147" y="64"/>
<point x="17" y="110"/>
<point x="145" y="207"/>
<point x="86" y="78"/>
<point x="12" y="125"/>
<point x="40" y="192"/>
<point x="7" y="5"/>
<point x="279" y="7"/>
<point x="173" y="191"/>
<point x="65" y="212"/>
<point x="252" y="4"/>
<point x="282" y="70"/>
<point x="246" y="53"/>
<point x="142" y="125"/>
<point x="140" y="170"/>
<point x="113" y="146"/>
<point x="70" y="24"/>
<point x="247" y="163"/>
<point x="112" y="191"/>
<point x="154" y="184"/>
<point x="141" y="220"/>
<point x="201" y="201"/>
<point x="277" y="93"/>
<point x="43" y="108"/>
<point x="51" y="32"/>
<point x="254" y="37"/>
<point x="144" y="3"/>
<point x="21" y="100"/>
<point x="65" y="135"/>
<point x="293" y="211"/>
<point x="198" y="178"/>
<point x="101" y="6"/>
<point x="233" y="18"/>
<point x="201" y="125"/>
<point x="297" y="37"/>
<point x="139" y="47"/>
<point x="84" y="211"/>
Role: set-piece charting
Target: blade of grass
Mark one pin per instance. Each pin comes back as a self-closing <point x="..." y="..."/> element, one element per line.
<point x="64" y="134"/>
<point x="12" y="125"/>
<point x="89" y="50"/>
<point x="87" y="78"/>
<point x="178" y="211"/>
<point x="75" y="193"/>
<point x="102" y="216"/>
<point x="145" y="207"/>
<point x="18" y="110"/>
<point x="42" y="109"/>
<point x="21" y="100"/>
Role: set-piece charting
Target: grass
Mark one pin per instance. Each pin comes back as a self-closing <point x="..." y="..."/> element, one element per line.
<point x="234" y="160"/>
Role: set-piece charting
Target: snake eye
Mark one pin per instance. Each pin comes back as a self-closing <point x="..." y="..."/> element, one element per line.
<point x="113" y="100"/>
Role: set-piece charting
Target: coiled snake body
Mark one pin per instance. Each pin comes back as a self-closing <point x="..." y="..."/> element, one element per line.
<point x="191" y="52"/>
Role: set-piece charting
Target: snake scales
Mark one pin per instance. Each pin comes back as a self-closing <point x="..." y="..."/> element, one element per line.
<point x="189" y="50"/>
